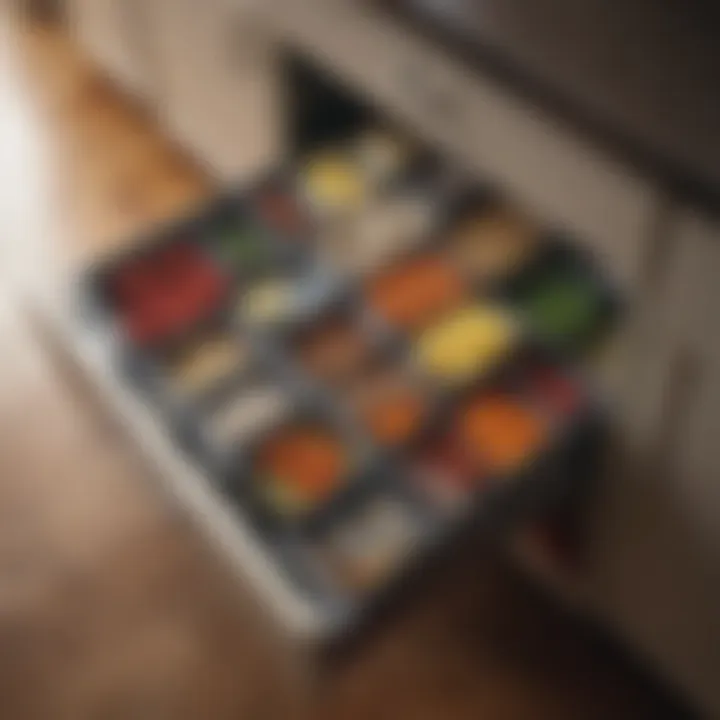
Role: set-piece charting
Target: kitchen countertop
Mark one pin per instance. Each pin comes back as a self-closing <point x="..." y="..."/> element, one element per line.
<point x="641" y="77"/>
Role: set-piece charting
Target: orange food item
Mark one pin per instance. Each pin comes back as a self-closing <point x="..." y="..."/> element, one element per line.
<point x="393" y="419"/>
<point x="410" y="294"/>
<point x="307" y="462"/>
<point x="499" y="433"/>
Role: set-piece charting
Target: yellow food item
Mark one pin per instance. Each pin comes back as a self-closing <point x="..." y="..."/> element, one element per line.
<point x="466" y="343"/>
<point x="334" y="182"/>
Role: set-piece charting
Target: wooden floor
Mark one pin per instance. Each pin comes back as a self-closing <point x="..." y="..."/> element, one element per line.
<point x="110" y="605"/>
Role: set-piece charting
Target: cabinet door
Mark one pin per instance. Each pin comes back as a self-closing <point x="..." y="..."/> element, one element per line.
<point x="217" y="83"/>
<point x="690" y="430"/>
<point x="658" y="535"/>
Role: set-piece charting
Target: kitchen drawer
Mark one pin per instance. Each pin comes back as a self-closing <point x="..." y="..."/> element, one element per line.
<point x="294" y="556"/>
<point x="543" y="164"/>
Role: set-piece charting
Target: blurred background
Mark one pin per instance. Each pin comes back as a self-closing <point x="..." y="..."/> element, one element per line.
<point x="589" y="131"/>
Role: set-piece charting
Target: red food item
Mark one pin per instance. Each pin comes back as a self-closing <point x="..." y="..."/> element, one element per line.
<point x="167" y="292"/>
<point x="131" y="285"/>
<point x="145" y="328"/>
<point x="164" y="259"/>
<point x="210" y="295"/>
<point x="178" y="312"/>
<point x="172" y="323"/>
<point x="198" y="306"/>
<point x="167" y="315"/>
<point x="209" y="282"/>
<point x="180" y="264"/>
<point x="191" y="294"/>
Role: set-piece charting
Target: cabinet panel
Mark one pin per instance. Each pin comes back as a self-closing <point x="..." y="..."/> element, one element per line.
<point x="218" y="84"/>
<point x="676" y="404"/>
<point x="691" y="293"/>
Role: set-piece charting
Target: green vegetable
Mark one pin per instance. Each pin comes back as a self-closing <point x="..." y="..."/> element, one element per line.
<point x="562" y="307"/>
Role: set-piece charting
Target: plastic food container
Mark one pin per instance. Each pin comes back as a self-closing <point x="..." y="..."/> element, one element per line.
<point x="297" y="470"/>
<point x="284" y="295"/>
<point x="415" y="291"/>
<point x="243" y="413"/>
<point x="386" y="229"/>
<point x="491" y="244"/>
<point x="335" y="345"/>
<point x="362" y="549"/>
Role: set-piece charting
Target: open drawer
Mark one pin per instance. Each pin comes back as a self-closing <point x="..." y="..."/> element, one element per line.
<point x="348" y="365"/>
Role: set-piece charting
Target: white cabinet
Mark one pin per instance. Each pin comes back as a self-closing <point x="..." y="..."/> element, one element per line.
<point x="217" y="83"/>
<point x="204" y="68"/>
<point x="113" y="33"/>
